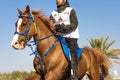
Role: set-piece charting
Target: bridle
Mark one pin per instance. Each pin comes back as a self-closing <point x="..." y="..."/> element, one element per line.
<point x="25" y="34"/>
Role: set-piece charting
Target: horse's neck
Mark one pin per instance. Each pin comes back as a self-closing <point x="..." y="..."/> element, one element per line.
<point x="43" y="31"/>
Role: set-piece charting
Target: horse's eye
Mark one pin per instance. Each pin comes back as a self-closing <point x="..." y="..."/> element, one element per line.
<point x="24" y="24"/>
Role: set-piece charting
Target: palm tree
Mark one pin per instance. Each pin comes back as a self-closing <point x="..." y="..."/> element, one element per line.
<point x="104" y="46"/>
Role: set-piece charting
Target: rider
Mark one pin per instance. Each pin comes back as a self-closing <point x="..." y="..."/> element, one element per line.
<point x="66" y="25"/>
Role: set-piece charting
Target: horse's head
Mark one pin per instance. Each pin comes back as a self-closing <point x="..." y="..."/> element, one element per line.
<point x="25" y="29"/>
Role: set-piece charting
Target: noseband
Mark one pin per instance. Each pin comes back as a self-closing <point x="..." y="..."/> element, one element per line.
<point x="25" y="34"/>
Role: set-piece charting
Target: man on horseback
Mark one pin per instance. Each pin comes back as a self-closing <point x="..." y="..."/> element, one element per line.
<point x="66" y="23"/>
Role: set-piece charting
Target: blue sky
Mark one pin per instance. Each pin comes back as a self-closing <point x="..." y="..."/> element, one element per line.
<point x="97" y="18"/>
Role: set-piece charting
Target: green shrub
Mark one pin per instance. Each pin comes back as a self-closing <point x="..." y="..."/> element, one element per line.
<point x="15" y="75"/>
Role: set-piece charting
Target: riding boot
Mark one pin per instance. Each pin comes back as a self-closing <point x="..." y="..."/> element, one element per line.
<point x="72" y="44"/>
<point x="73" y="67"/>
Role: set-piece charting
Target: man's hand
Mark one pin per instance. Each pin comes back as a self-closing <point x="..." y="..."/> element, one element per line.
<point x="58" y="27"/>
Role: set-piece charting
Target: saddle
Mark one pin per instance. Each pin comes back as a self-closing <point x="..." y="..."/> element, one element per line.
<point x="66" y="49"/>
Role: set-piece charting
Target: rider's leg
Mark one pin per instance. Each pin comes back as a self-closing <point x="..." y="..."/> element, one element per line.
<point x="72" y="44"/>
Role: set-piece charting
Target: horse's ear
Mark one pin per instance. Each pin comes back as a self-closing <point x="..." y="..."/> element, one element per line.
<point x="27" y="9"/>
<point x="19" y="11"/>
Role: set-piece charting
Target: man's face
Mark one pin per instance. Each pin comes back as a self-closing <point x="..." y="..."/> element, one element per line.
<point x="60" y="2"/>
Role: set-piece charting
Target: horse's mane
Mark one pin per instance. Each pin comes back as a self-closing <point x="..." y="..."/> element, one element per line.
<point x="48" y="22"/>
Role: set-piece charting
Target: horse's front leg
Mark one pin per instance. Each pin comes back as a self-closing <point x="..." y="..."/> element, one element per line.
<point x="36" y="64"/>
<point x="54" y="75"/>
<point x="34" y="76"/>
<point x="57" y="72"/>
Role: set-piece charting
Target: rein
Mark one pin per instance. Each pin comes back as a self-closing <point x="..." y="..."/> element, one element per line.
<point x="34" y="52"/>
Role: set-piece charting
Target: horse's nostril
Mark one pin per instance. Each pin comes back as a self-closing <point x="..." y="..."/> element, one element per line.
<point x="16" y="43"/>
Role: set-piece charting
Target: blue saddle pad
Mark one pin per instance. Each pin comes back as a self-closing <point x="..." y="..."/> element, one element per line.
<point x="66" y="49"/>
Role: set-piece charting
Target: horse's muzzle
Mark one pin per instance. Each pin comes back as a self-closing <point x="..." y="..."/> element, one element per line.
<point x="18" y="45"/>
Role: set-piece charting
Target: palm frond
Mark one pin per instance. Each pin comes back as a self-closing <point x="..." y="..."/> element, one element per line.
<point x="108" y="45"/>
<point x="104" y="46"/>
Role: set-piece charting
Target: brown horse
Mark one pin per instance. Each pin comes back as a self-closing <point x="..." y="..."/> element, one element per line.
<point x="53" y="65"/>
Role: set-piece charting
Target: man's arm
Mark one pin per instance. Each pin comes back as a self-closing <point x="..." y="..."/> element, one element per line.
<point x="73" y="21"/>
